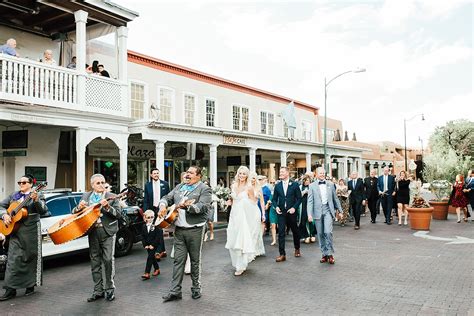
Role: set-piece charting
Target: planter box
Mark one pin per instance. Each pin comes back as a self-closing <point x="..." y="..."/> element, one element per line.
<point x="420" y="218"/>
<point x="440" y="209"/>
<point x="451" y="210"/>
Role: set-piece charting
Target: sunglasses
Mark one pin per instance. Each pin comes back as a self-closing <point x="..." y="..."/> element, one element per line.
<point x="22" y="182"/>
<point x="103" y="182"/>
<point x="149" y="217"/>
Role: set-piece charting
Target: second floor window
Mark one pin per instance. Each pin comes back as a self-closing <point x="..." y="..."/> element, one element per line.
<point x="189" y="109"/>
<point x="166" y="104"/>
<point x="210" y="112"/>
<point x="288" y="132"/>
<point x="306" y="130"/>
<point x="267" y="122"/>
<point x="329" y="135"/>
<point x="240" y="118"/>
<point x="137" y="100"/>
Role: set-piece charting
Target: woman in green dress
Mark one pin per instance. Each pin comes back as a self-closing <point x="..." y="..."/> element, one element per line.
<point x="24" y="265"/>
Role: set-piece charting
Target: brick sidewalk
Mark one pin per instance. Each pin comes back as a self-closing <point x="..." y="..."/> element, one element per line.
<point x="379" y="269"/>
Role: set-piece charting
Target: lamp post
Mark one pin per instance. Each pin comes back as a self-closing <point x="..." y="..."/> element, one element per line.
<point x="326" y="84"/>
<point x="405" y="134"/>
<point x="421" y="141"/>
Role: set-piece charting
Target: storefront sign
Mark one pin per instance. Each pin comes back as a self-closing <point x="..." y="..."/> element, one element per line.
<point x="135" y="150"/>
<point x="14" y="153"/>
<point x="232" y="140"/>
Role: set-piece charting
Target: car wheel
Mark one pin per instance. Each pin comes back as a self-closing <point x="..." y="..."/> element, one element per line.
<point x="123" y="242"/>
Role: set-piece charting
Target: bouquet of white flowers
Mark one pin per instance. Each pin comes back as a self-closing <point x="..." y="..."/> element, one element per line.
<point x="221" y="195"/>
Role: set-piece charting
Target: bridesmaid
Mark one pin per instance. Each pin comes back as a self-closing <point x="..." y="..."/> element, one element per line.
<point x="403" y="197"/>
<point x="307" y="229"/>
<point x="343" y="195"/>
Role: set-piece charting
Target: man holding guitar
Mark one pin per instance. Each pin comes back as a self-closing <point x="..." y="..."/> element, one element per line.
<point x="102" y="237"/>
<point x="24" y="254"/>
<point x="193" y="200"/>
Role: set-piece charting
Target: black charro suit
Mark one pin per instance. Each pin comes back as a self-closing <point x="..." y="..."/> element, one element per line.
<point x="292" y="199"/>
<point x="356" y="197"/>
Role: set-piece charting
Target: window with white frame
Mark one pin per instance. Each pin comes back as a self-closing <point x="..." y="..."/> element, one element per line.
<point x="166" y="104"/>
<point x="329" y="135"/>
<point x="306" y="130"/>
<point x="137" y="100"/>
<point x="210" y="112"/>
<point x="288" y="132"/>
<point x="240" y="118"/>
<point x="189" y="108"/>
<point x="267" y="122"/>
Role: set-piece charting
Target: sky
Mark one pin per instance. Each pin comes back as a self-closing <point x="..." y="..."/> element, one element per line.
<point x="418" y="55"/>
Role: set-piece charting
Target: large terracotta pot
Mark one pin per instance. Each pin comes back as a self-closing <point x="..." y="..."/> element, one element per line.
<point x="440" y="209"/>
<point x="420" y="218"/>
<point x="451" y="210"/>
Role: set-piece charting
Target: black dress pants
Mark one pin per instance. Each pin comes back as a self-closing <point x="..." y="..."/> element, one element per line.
<point x="290" y="220"/>
<point x="372" y="203"/>
<point x="356" y="208"/>
<point x="151" y="261"/>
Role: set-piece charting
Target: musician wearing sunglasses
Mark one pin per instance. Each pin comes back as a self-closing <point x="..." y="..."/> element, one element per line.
<point x="101" y="237"/>
<point x="24" y="265"/>
<point x="189" y="232"/>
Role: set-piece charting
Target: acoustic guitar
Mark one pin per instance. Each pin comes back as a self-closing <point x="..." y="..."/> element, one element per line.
<point x="171" y="215"/>
<point x="78" y="224"/>
<point x="18" y="212"/>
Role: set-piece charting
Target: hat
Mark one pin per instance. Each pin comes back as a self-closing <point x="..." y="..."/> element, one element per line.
<point x="261" y="177"/>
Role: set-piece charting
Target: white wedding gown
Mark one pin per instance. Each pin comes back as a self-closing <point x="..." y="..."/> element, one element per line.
<point x="243" y="232"/>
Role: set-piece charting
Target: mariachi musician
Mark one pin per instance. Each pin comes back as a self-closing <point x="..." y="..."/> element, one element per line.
<point x="102" y="237"/>
<point x="24" y="265"/>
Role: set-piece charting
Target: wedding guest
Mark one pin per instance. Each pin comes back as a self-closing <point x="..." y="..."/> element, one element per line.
<point x="357" y="197"/>
<point x="372" y="194"/>
<point x="403" y="197"/>
<point x="150" y="243"/>
<point x="307" y="229"/>
<point x="103" y="72"/>
<point x="72" y="64"/>
<point x="9" y="48"/>
<point x="458" y="199"/>
<point x="343" y="195"/>
<point x="414" y="187"/>
<point x="48" y="58"/>
<point x="469" y="188"/>
<point x="267" y="194"/>
<point x="386" y="187"/>
<point x="258" y="199"/>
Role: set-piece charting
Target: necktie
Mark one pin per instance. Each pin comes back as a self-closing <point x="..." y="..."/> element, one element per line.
<point x="322" y="182"/>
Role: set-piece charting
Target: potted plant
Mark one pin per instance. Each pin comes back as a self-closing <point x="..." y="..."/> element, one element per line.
<point x="420" y="214"/>
<point x="441" y="189"/>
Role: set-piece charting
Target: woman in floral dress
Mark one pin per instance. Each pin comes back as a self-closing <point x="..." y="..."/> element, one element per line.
<point x="343" y="195"/>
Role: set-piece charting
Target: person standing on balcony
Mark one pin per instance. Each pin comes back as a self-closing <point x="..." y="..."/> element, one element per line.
<point x="72" y="64"/>
<point x="103" y="72"/>
<point x="48" y="58"/>
<point x="9" y="48"/>
<point x="155" y="190"/>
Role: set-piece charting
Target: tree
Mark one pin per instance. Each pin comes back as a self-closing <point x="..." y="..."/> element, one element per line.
<point x="452" y="151"/>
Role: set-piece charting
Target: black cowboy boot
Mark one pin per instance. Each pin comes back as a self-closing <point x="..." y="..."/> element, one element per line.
<point x="9" y="293"/>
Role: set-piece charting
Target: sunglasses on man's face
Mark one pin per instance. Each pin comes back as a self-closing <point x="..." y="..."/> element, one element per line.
<point x="103" y="182"/>
<point x="150" y="217"/>
<point x="22" y="182"/>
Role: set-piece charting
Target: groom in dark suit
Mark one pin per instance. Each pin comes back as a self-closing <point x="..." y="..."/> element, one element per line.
<point x="287" y="199"/>
<point x="155" y="190"/>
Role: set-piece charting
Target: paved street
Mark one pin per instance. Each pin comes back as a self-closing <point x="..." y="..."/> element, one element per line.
<point x="379" y="270"/>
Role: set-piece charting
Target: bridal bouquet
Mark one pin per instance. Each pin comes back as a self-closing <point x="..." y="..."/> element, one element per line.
<point x="221" y="195"/>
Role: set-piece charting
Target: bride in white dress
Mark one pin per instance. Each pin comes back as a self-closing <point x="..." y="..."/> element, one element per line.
<point x="244" y="223"/>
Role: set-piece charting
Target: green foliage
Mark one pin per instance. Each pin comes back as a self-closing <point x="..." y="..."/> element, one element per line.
<point x="452" y="151"/>
<point x="441" y="189"/>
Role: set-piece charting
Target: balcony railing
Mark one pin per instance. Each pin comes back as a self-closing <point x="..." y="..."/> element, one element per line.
<point x="32" y="82"/>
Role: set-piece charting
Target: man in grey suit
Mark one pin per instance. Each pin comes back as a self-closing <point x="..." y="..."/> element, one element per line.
<point x="190" y="228"/>
<point x="102" y="237"/>
<point x="322" y="206"/>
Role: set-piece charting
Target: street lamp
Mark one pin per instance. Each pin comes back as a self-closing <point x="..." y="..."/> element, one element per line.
<point x="326" y="84"/>
<point x="405" y="133"/>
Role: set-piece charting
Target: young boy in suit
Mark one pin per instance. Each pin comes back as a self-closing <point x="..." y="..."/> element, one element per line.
<point x="150" y="243"/>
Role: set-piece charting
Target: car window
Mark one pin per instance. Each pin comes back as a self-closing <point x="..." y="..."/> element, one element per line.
<point x="59" y="206"/>
<point x="77" y="198"/>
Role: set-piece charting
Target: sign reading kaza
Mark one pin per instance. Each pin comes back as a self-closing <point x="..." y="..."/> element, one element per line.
<point x="232" y="140"/>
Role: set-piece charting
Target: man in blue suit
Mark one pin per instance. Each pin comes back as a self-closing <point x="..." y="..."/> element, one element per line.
<point x="323" y="204"/>
<point x="287" y="199"/>
<point x="357" y="197"/>
<point x="386" y="187"/>
<point x="155" y="190"/>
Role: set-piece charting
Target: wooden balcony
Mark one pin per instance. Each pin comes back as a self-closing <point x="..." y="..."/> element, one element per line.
<point x="26" y="81"/>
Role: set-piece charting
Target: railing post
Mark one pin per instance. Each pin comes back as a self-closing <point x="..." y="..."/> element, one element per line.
<point x="81" y="20"/>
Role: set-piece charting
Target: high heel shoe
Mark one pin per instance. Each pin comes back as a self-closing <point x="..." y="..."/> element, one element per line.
<point x="240" y="272"/>
<point x="212" y="236"/>
<point x="205" y="237"/>
<point x="273" y="243"/>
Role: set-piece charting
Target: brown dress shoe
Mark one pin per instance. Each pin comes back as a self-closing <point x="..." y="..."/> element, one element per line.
<point x="297" y="253"/>
<point x="280" y="259"/>
<point x="163" y="254"/>
<point x="158" y="256"/>
<point x="324" y="259"/>
<point x="331" y="260"/>
<point x="156" y="272"/>
<point x="146" y="276"/>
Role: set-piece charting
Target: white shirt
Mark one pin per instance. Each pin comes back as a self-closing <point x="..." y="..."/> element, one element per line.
<point x="148" y="227"/>
<point x="285" y="186"/>
<point x="324" y="193"/>
<point x="181" y="220"/>
<point x="385" y="183"/>
<point x="156" y="193"/>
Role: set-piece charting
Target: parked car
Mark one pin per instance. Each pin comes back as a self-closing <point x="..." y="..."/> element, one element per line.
<point x="60" y="204"/>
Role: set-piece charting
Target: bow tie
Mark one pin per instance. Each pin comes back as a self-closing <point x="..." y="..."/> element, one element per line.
<point x="322" y="182"/>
